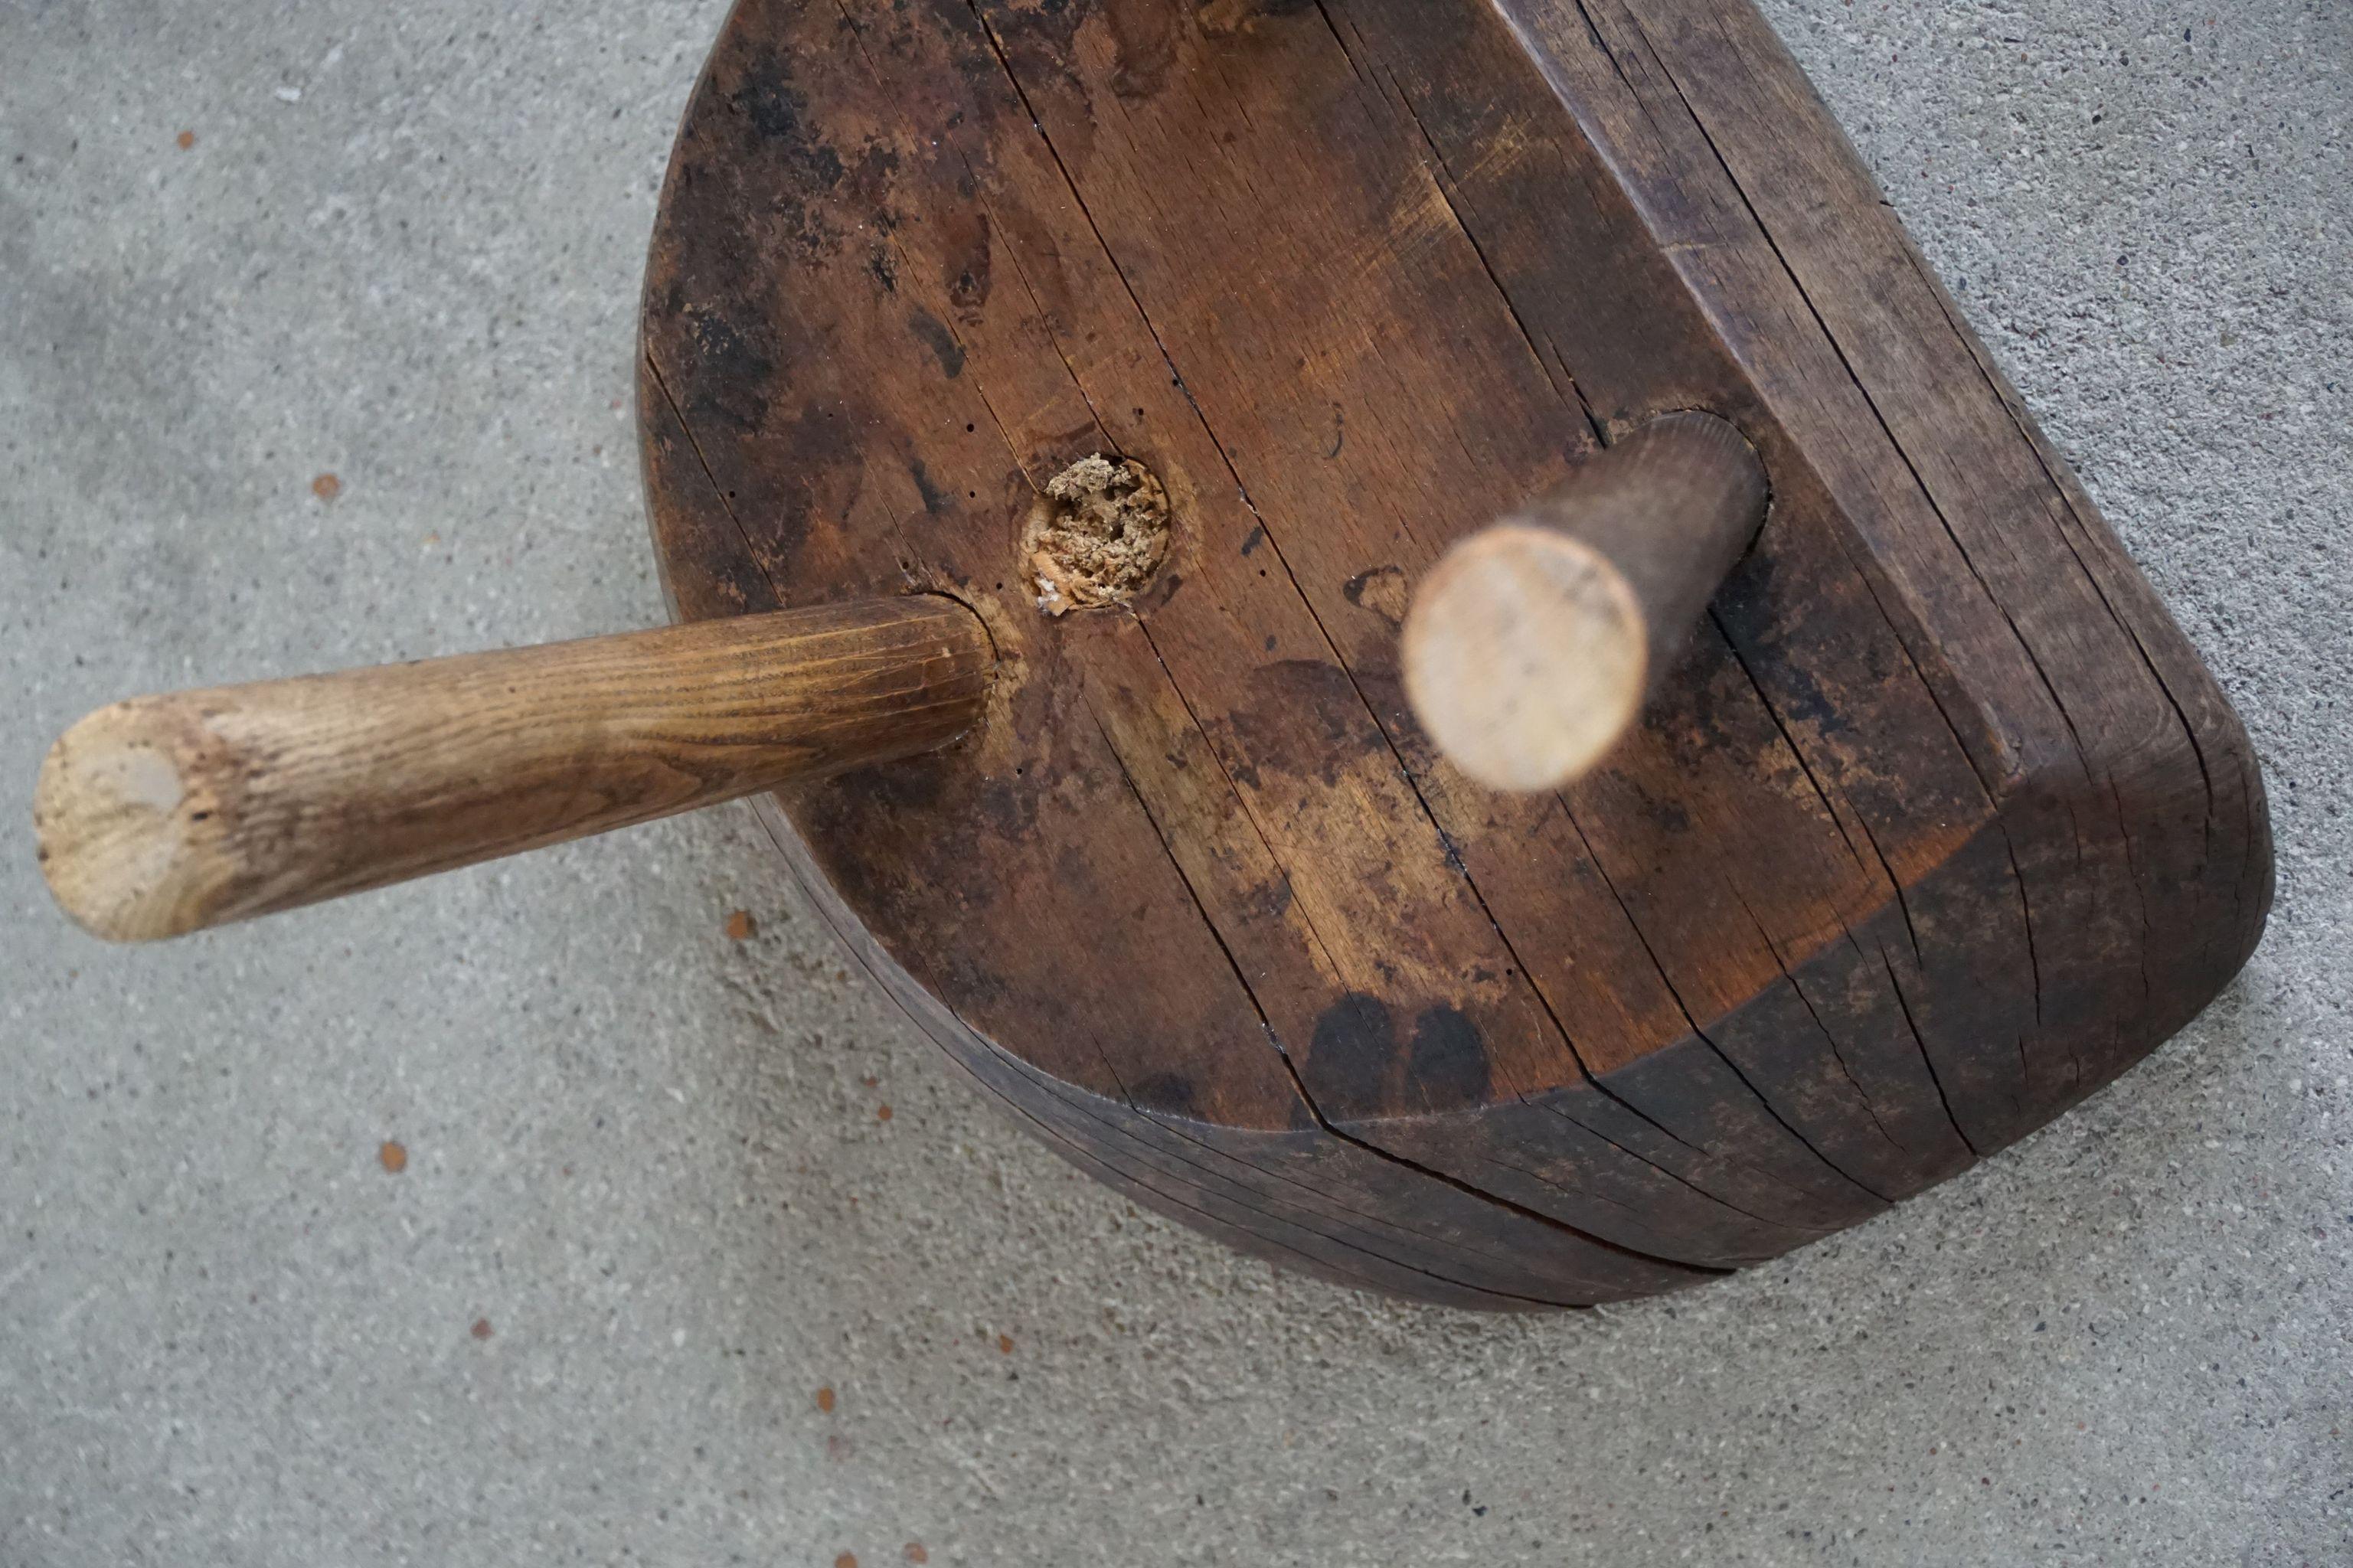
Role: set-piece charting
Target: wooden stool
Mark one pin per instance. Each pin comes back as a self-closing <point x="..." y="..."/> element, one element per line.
<point x="1100" y="384"/>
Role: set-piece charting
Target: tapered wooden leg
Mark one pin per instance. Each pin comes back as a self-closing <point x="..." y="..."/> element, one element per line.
<point x="163" y="814"/>
<point x="1532" y="644"/>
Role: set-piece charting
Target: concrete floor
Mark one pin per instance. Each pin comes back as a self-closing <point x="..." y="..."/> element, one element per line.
<point x="649" y="1211"/>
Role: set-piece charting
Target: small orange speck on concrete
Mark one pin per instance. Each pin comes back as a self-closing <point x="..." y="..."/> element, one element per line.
<point x="187" y="139"/>
<point x="326" y="487"/>
<point x="847" y="1560"/>
<point x="740" y="926"/>
<point x="824" y="1400"/>
<point x="915" y="1552"/>
<point x="882" y="1113"/>
<point x="392" y="1156"/>
<point x="481" y="1329"/>
<point x="1005" y="1344"/>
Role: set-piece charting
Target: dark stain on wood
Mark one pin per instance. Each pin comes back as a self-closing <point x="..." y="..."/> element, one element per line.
<point x="1446" y="1062"/>
<point x="934" y="335"/>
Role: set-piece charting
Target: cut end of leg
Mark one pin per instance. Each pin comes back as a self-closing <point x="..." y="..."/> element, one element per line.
<point x="116" y="826"/>
<point x="1525" y="657"/>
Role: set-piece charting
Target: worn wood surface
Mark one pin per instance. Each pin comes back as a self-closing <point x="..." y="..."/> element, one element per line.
<point x="1935" y="827"/>
<point x="1531" y="645"/>
<point x="160" y="815"/>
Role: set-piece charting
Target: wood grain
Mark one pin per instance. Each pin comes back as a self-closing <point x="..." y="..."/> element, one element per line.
<point x="162" y="814"/>
<point x="1935" y="826"/>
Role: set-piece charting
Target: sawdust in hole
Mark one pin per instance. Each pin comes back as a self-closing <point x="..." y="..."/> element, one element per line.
<point x="1097" y="535"/>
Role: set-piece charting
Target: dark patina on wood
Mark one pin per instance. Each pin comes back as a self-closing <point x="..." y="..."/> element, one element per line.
<point x="1937" y="826"/>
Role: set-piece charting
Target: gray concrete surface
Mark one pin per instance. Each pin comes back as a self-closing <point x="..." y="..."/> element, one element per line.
<point x="404" y="248"/>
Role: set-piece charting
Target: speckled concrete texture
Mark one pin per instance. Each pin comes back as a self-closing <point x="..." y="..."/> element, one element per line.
<point x="652" y="1208"/>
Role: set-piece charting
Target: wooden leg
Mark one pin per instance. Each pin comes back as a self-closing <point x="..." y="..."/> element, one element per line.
<point x="163" y="814"/>
<point x="1532" y="644"/>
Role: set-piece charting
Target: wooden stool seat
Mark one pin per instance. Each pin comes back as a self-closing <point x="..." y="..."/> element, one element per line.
<point x="1935" y="825"/>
